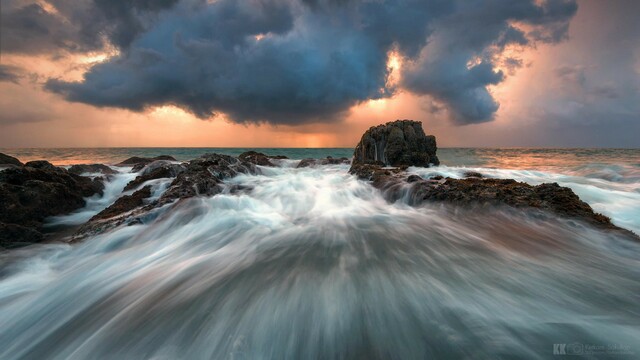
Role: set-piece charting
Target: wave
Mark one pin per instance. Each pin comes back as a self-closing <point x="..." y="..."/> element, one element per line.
<point x="312" y="263"/>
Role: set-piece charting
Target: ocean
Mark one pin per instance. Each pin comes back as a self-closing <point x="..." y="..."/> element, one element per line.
<point x="312" y="263"/>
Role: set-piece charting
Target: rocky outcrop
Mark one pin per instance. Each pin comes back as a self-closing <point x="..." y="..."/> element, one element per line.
<point x="397" y="143"/>
<point x="256" y="158"/>
<point x="156" y="170"/>
<point x="476" y="190"/>
<point x="124" y="204"/>
<point x="402" y="144"/>
<point x="136" y="160"/>
<point x="327" y="161"/>
<point x="30" y="193"/>
<point x="91" y="169"/>
<point x="9" y="160"/>
<point x="203" y="176"/>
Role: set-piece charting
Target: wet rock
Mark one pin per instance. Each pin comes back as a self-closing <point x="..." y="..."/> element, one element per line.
<point x="413" y="178"/>
<point x="156" y="170"/>
<point x="40" y="164"/>
<point x="397" y="143"/>
<point x="92" y="169"/>
<point x="473" y="191"/>
<point x="9" y="160"/>
<point x="256" y="158"/>
<point x="203" y="176"/>
<point x="13" y="235"/>
<point x="124" y="204"/>
<point x="136" y="160"/>
<point x="38" y="190"/>
<point x="472" y="174"/>
<point x="326" y="161"/>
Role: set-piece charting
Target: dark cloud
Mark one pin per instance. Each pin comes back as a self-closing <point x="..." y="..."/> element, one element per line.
<point x="10" y="73"/>
<point x="29" y="27"/>
<point x="298" y="61"/>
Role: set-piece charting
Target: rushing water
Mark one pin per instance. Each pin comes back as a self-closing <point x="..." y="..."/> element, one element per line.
<point x="314" y="264"/>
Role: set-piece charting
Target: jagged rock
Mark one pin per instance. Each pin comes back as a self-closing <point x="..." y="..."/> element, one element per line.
<point x="156" y="170"/>
<point x="397" y="143"/>
<point x="124" y="204"/>
<point x="255" y="157"/>
<point x="203" y="176"/>
<point x="136" y="160"/>
<point x="482" y="191"/>
<point x="38" y="190"/>
<point x="91" y="168"/>
<point x="9" y="160"/>
<point x="327" y="161"/>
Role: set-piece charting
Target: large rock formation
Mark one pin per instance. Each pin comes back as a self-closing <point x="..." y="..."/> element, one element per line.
<point x="474" y="190"/>
<point x="397" y="143"/>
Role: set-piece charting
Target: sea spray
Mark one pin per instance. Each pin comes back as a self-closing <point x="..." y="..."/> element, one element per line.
<point x="312" y="263"/>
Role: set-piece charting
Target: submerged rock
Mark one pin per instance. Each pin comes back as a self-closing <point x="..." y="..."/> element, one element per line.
<point x="327" y="161"/>
<point x="9" y="160"/>
<point x="397" y="143"/>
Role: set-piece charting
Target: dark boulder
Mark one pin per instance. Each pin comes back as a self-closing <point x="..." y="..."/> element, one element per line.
<point x="397" y="143"/>
<point x="13" y="235"/>
<point x="40" y="164"/>
<point x="472" y="174"/>
<point x="255" y="157"/>
<point x="31" y="193"/>
<point x="167" y="170"/>
<point x="9" y="160"/>
<point x="124" y="204"/>
<point x="136" y="160"/>
<point x="91" y="169"/>
<point x="326" y="161"/>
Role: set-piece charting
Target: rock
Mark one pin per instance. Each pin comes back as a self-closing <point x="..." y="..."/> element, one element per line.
<point x="413" y="178"/>
<point x="166" y="171"/>
<point x="12" y="236"/>
<point x="9" y="160"/>
<point x="40" y="164"/>
<point x="91" y="169"/>
<point x="135" y="160"/>
<point x="203" y="176"/>
<point x="256" y="158"/>
<point x="306" y="163"/>
<point x="124" y="204"/>
<point x="38" y="190"/>
<point x="551" y="198"/>
<point x="472" y="174"/>
<point x="327" y="161"/>
<point x="397" y="143"/>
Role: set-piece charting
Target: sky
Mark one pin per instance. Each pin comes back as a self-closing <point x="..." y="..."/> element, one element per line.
<point x="318" y="73"/>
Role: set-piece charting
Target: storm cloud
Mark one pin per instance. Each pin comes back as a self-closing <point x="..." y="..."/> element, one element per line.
<point x="286" y="61"/>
